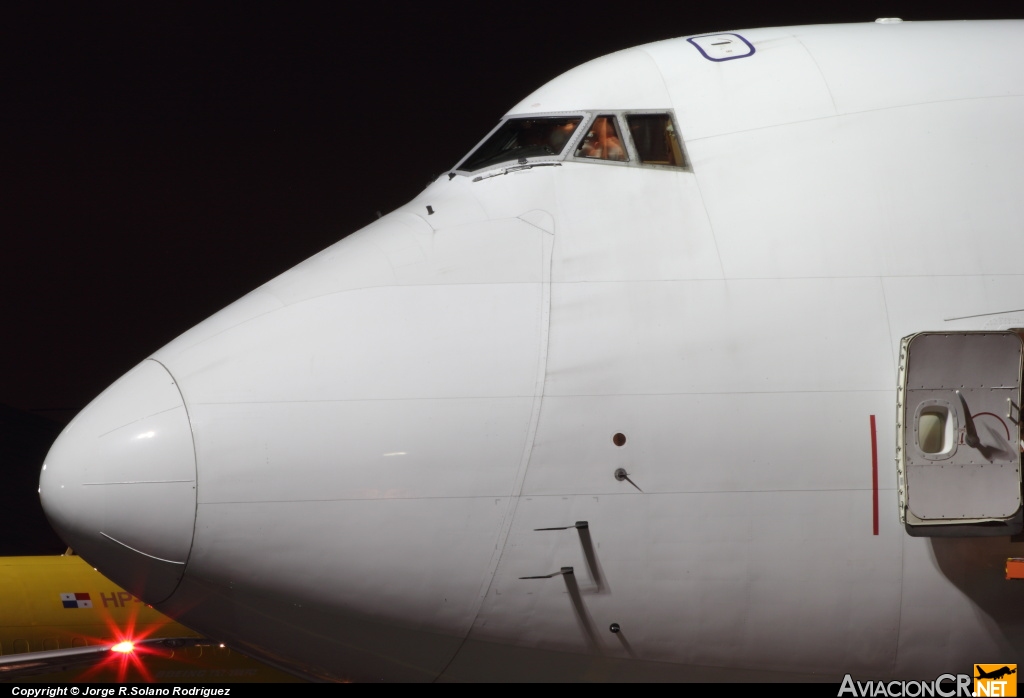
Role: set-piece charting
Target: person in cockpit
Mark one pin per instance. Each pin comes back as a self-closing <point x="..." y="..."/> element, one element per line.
<point x="560" y="135"/>
<point x="603" y="142"/>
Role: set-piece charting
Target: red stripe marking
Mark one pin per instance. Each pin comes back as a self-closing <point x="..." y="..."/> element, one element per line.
<point x="874" y="477"/>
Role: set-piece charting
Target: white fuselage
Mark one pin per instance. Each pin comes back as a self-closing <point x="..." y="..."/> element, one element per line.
<point x="377" y="433"/>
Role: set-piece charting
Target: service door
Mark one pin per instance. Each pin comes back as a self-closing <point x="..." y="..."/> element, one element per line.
<point x="960" y="450"/>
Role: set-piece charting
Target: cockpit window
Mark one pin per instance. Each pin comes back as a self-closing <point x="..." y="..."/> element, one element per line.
<point x="602" y="141"/>
<point x="655" y="139"/>
<point x="523" y="138"/>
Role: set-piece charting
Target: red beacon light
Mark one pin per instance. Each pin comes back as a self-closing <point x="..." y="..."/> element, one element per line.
<point x="125" y="647"/>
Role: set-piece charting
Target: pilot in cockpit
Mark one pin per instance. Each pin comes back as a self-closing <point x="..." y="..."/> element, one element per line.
<point x="520" y="138"/>
<point x="560" y="134"/>
<point x="602" y="142"/>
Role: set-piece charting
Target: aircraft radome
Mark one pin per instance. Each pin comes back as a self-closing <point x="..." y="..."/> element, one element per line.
<point x="697" y="294"/>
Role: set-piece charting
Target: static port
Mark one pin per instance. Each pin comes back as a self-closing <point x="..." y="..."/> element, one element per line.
<point x="619" y="439"/>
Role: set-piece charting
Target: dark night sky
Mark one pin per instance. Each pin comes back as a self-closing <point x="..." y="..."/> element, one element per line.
<point x="160" y="160"/>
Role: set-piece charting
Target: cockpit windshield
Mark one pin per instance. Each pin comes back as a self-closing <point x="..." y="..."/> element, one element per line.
<point x="523" y="138"/>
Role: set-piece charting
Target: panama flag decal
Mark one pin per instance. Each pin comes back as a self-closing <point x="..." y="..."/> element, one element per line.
<point x="78" y="600"/>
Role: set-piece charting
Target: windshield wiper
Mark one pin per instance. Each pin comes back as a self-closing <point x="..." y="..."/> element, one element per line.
<point x="516" y="168"/>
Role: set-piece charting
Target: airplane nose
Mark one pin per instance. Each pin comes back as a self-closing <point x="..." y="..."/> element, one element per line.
<point x="119" y="484"/>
